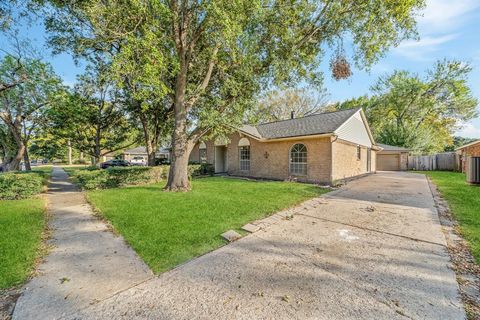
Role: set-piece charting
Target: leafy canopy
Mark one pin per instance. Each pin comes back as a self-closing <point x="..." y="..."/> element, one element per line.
<point x="420" y="113"/>
<point x="233" y="49"/>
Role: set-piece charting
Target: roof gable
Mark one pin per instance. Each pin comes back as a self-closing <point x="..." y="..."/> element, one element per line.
<point x="355" y="129"/>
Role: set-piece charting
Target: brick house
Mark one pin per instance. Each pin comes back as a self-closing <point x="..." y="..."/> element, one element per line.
<point x="321" y="148"/>
<point x="469" y="150"/>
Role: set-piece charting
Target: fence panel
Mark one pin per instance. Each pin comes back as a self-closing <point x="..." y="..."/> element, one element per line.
<point x="440" y="161"/>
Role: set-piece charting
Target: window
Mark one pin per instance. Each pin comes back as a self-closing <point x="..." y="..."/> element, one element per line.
<point x="202" y="150"/>
<point x="298" y="160"/>
<point x="244" y="154"/>
<point x="359" y="152"/>
<point x="244" y="158"/>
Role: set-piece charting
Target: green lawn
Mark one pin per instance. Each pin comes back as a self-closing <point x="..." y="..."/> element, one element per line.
<point x="464" y="201"/>
<point x="166" y="228"/>
<point x="21" y="226"/>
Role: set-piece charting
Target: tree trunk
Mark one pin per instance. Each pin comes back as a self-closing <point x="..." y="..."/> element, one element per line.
<point x="14" y="164"/>
<point x="178" y="179"/>
<point x="69" y="152"/>
<point x="151" y="158"/>
<point x="150" y="146"/>
<point x="178" y="175"/>
<point x="26" y="160"/>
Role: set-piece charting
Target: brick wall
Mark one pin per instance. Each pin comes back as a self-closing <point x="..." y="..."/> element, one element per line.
<point x="345" y="161"/>
<point x="472" y="151"/>
<point x="270" y="160"/>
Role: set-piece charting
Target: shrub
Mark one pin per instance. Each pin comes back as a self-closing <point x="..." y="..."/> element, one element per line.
<point x="116" y="177"/>
<point x="20" y="185"/>
<point x="91" y="179"/>
<point x="203" y="169"/>
<point x="94" y="178"/>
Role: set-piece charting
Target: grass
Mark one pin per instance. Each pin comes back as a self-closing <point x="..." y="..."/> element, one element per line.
<point x="71" y="169"/>
<point x="464" y="202"/>
<point x="21" y="225"/>
<point x="166" y="228"/>
<point x="46" y="169"/>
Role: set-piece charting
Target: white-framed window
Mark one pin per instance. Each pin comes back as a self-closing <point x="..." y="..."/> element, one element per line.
<point x="244" y="158"/>
<point x="359" y="153"/>
<point x="298" y="160"/>
<point x="244" y="154"/>
<point x="202" y="151"/>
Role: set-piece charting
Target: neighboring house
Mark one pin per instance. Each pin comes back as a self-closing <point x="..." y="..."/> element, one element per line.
<point x="392" y="158"/>
<point x="469" y="150"/>
<point x="321" y="148"/>
<point x="162" y="153"/>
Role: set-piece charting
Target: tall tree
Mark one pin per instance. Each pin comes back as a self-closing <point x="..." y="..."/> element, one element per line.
<point x="420" y="113"/>
<point x="282" y="104"/>
<point x="93" y="118"/>
<point x="119" y="32"/>
<point x="216" y="56"/>
<point x="23" y="106"/>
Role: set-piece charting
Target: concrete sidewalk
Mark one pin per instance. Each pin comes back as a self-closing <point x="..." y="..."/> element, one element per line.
<point x="372" y="250"/>
<point x="87" y="262"/>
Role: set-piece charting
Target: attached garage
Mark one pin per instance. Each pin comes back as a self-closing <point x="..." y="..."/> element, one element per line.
<point x="388" y="162"/>
<point x="392" y="158"/>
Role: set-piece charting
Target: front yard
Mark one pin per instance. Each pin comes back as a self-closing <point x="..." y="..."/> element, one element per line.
<point x="21" y="226"/>
<point x="22" y="223"/>
<point x="166" y="228"/>
<point x="464" y="202"/>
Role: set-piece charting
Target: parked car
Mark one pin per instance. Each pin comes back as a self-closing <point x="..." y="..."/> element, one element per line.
<point x="114" y="163"/>
<point x="138" y="161"/>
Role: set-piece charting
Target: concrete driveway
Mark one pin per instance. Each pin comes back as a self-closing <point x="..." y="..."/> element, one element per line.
<point x="373" y="249"/>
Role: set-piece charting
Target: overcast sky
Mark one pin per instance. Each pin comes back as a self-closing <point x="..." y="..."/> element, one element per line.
<point x="448" y="29"/>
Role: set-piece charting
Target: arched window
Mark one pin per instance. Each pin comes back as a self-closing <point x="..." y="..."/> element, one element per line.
<point x="298" y="160"/>
<point x="244" y="154"/>
<point x="202" y="150"/>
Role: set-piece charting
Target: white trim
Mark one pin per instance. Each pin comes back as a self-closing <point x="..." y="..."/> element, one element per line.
<point x="290" y="161"/>
<point x="243" y="142"/>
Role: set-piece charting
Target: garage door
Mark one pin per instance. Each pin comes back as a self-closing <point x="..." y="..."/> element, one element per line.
<point x="388" y="162"/>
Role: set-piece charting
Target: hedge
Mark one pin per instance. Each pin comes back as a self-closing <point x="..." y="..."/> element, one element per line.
<point x="21" y="185"/>
<point x="123" y="176"/>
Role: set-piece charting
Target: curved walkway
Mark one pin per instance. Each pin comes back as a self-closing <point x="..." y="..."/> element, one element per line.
<point x="87" y="263"/>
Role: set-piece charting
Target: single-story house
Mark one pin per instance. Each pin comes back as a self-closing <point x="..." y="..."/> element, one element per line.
<point x="392" y="158"/>
<point x="469" y="150"/>
<point x="162" y="153"/>
<point x="322" y="148"/>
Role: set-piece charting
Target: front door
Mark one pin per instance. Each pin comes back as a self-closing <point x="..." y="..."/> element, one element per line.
<point x="220" y="159"/>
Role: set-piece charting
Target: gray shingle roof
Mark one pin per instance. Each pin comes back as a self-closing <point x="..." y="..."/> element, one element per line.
<point x="387" y="147"/>
<point x="310" y="125"/>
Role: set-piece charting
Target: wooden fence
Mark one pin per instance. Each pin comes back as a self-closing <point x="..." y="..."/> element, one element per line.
<point x="449" y="161"/>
